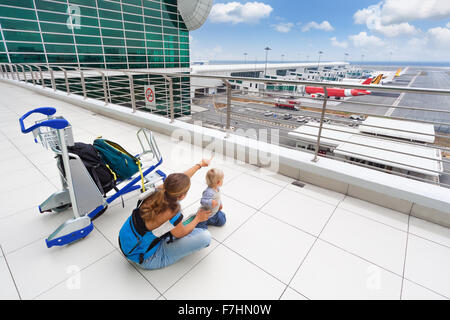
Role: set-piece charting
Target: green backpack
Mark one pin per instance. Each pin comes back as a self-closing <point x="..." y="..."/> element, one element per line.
<point x="117" y="158"/>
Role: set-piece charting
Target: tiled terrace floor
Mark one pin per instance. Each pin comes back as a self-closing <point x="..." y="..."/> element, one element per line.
<point x="280" y="241"/>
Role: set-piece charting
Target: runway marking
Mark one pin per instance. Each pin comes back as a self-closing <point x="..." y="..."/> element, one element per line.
<point x="397" y="102"/>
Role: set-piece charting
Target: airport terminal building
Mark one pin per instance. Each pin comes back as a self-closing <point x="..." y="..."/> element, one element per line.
<point x="104" y="34"/>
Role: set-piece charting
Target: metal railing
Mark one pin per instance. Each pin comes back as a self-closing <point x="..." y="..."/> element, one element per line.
<point x="177" y="94"/>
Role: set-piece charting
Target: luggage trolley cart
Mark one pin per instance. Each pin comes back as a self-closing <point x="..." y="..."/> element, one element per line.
<point x="78" y="188"/>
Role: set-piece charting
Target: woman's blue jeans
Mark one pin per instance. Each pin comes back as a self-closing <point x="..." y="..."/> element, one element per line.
<point x="169" y="253"/>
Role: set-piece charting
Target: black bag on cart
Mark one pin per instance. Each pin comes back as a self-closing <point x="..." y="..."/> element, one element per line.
<point x="103" y="177"/>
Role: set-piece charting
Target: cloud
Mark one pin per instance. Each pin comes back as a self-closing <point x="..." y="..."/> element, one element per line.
<point x="397" y="11"/>
<point x="235" y="12"/>
<point x="325" y="26"/>
<point x="448" y="25"/>
<point x="336" y="43"/>
<point x="283" y="27"/>
<point x="363" y="40"/>
<point x="440" y="36"/>
<point x="372" y="17"/>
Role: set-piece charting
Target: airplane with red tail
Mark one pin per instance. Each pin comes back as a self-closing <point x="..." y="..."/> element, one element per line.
<point x="317" y="92"/>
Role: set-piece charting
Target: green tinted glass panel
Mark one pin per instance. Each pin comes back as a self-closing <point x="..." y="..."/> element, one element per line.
<point x="2" y="47"/>
<point x="152" y="4"/>
<point x="152" y="21"/>
<point x="155" y="44"/>
<point x="119" y="58"/>
<point x="88" y="31"/>
<point x="134" y="26"/>
<point x="113" y="42"/>
<point x="3" y="58"/>
<point x="112" y="33"/>
<point x="131" y="9"/>
<point x="61" y="58"/>
<point x="24" y="47"/>
<point x="51" y="6"/>
<point x="18" y="13"/>
<point x="19" y="25"/>
<point x="184" y="52"/>
<point x="152" y="13"/>
<point x="133" y="2"/>
<point x="171" y="31"/>
<point x="27" y="58"/>
<point x="136" y="51"/>
<point x="52" y="17"/>
<point x="89" y="3"/>
<point x="135" y="43"/>
<point x="136" y="58"/>
<point x="88" y="40"/>
<point x="22" y="36"/>
<point x="114" y="50"/>
<point x="89" y="49"/>
<point x="90" y="58"/>
<point x="55" y="27"/>
<point x="111" y="24"/>
<point x="57" y="38"/>
<point x="108" y="5"/>
<point x="170" y="23"/>
<point x="134" y="35"/>
<point x="19" y="3"/>
<point x="55" y="48"/>
<point x="110" y="14"/>
<point x="153" y="36"/>
<point x="88" y="12"/>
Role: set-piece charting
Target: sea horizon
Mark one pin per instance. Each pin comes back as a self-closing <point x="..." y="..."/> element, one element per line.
<point x="365" y="63"/>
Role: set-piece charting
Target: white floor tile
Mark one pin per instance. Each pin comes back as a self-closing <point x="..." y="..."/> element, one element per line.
<point x="412" y="291"/>
<point x="30" y="196"/>
<point x="251" y="190"/>
<point x="430" y="231"/>
<point x="331" y="273"/>
<point x="225" y="275"/>
<point x="18" y="179"/>
<point x="37" y="268"/>
<point x="7" y="288"/>
<point x="25" y="227"/>
<point x="299" y="210"/>
<point x="328" y="196"/>
<point x="271" y="176"/>
<point x="384" y="215"/>
<point x="291" y="294"/>
<point x="110" y="278"/>
<point x="371" y="240"/>
<point x="272" y="245"/>
<point x="163" y="279"/>
<point x="428" y="264"/>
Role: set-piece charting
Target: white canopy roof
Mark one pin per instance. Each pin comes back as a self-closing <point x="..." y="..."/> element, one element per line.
<point x="396" y="128"/>
<point x="393" y="155"/>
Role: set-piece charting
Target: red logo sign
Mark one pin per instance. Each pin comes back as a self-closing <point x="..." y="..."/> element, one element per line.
<point x="149" y="95"/>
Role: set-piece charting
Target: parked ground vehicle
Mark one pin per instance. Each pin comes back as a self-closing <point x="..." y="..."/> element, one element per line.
<point x="287" y="104"/>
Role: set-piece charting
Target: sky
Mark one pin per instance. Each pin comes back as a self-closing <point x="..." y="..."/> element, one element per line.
<point x="296" y="30"/>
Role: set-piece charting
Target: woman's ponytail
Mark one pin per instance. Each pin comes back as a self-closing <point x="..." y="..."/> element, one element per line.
<point x="175" y="185"/>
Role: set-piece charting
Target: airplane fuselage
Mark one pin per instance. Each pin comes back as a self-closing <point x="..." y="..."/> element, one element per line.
<point x="336" y="92"/>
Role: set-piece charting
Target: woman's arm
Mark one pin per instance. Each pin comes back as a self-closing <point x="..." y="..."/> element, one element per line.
<point x="183" y="230"/>
<point x="204" y="163"/>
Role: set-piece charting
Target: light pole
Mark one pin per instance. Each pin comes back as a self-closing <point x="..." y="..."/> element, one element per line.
<point x="346" y="57"/>
<point x="245" y="57"/>
<point x="267" y="53"/>
<point x="282" y="58"/>
<point x="318" y="63"/>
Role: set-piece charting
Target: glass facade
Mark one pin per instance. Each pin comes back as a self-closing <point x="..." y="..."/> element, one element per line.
<point x="111" y="34"/>
<point x="106" y="34"/>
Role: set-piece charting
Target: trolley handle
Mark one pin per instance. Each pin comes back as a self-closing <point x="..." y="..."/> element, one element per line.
<point x="52" y="123"/>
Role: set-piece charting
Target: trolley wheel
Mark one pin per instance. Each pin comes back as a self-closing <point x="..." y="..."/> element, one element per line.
<point x="62" y="208"/>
